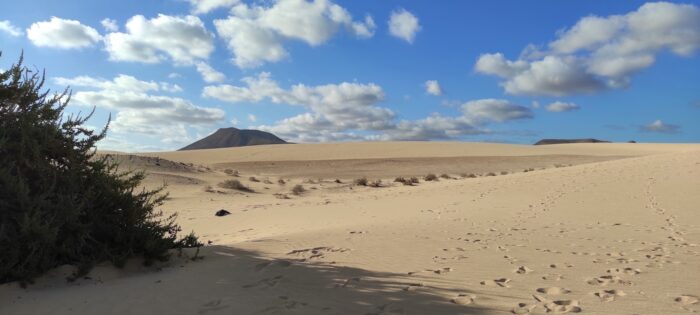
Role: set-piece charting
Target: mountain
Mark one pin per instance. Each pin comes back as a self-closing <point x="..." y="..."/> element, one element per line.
<point x="233" y="137"/>
<point x="560" y="141"/>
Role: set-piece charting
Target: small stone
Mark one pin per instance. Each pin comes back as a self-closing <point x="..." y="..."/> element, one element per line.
<point x="222" y="213"/>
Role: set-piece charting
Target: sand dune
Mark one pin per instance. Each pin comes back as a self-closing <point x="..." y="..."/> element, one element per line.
<point x="618" y="232"/>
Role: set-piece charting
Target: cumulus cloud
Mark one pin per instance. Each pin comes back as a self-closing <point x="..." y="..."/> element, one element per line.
<point x="122" y="82"/>
<point x="62" y="34"/>
<point x="138" y="111"/>
<point x="404" y="25"/>
<point x="661" y="127"/>
<point x="206" y="6"/>
<point x="182" y="39"/>
<point x="209" y="74"/>
<point x="110" y="25"/>
<point x="432" y="87"/>
<point x="558" y="107"/>
<point x="599" y="52"/>
<point x="255" y="33"/>
<point x="7" y="27"/>
<point x="498" y="110"/>
<point x="351" y="111"/>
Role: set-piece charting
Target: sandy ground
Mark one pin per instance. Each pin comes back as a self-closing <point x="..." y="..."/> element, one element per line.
<point x="598" y="229"/>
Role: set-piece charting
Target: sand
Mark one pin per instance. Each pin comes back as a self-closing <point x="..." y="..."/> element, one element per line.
<point x="592" y="228"/>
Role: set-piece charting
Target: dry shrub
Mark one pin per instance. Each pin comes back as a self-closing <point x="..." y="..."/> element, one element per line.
<point x="253" y="179"/>
<point x="298" y="190"/>
<point x="231" y="172"/>
<point x="376" y="183"/>
<point x="281" y="181"/>
<point x="431" y="177"/>
<point x="235" y="185"/>
<point x="361" y="181"/>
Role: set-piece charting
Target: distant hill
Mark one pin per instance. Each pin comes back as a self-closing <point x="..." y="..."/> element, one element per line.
<point x="561" y="141"/>
<point x="233" y="137"/>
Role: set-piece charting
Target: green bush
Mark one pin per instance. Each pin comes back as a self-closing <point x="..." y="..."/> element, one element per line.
<point x="60" y="203"/>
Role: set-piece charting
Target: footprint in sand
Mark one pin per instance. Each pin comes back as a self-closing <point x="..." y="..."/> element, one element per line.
<point x="627" y="271"/>
<point x="553" y="290"/>
<point x="552" y="277"/>
<point x="274" y="263"/>
<point x="609" y="295"/>
<point x="265" y="283"/>
<point x="501" y="282"/>
<point x="523" y="270"/>
<point x="605" y="280"/>
<point x="687" y="299"/>
<point x="523" y="308"/>
<point x="563" y="306"/>
<point x="463" y="299"/>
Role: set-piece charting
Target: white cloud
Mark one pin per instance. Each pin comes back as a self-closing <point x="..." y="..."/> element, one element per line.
<point x="122" y="82"/>
<point x="206" y="6"/>
<point x="535" y="104"/>
<point x="558" y="107"/>
<point x="167" y="119"/>
<point x="498" y="110"/>
<point x="350" y="111"/>
<point x="209" y="74"/>
<point x="661" y="127"/>
<point x="110" y="25"/>
<point x="252" y="118"/>
<point x="599" y="52"/>
<point x="7" y="27"/>
<point x="404" y="25"/>
<point x="174" y="75"/>
<point x="182" y="39"/>
<point x="432" y="87"/>
<point x="255" y="34"/>
<point x="62" y="34"/>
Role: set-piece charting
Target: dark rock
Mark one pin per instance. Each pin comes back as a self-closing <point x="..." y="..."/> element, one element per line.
<point x="222" y="213"/>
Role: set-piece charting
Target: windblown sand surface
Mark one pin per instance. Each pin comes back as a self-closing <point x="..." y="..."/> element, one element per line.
<point x="611" y="229"/>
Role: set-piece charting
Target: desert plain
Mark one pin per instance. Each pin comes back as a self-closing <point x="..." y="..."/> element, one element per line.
<point x="574" y="228"/>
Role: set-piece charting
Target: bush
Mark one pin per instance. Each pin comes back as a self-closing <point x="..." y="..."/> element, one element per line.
<point x="231" y="172"/>
<point x="361" y="181"/>
<point x="253" y="179"/>
<point x="504" y="172"/>
<point x="406" y="181"/>
<point x="62" y="204"/>
<point x="298" y="190"/>
<point x="470" y="175"/>
<point x="376" y="184"/>
<point x="490" y="174"/>
<point x="235" y="185"/>
<point x="431" y="177"/>
<point x="209" y="189"/>
<point x="445" y="176"/>
<point x="281" y="181"/>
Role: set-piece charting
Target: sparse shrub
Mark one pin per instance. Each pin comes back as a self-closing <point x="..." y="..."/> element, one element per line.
<point x="267" y="181"/>
<point x="338" y="181"/>
<point x="235" y="185"/>
<point x="209" y="189"/>
<point x="231" y="172"/>
<point x="281" y="196"/>
<point x="406" y="181"/>
<point x="431" y="177"/>
<point x="445" y="176"/>
<point x="504" y="172"/>
<point x="281" y="181"/>
<point x="361" y="181"/>
<point x="298" y="190"/>
<point x="253" y="179"/>
<point x="490" y="174"/>
<point x="470" y="175"/>
<point x="528" y="170"/>
<point x="376" y="183"/>
<point x="60" y="203"/>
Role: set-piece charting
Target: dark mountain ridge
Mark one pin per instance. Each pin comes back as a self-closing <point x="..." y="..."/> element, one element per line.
<point x="234" y="137"/>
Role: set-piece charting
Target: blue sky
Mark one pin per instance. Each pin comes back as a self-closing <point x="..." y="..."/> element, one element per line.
<point x="172" y="71"/>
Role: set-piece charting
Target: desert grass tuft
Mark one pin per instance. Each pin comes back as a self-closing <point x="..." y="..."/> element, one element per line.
<point x="430" y="177"/>
<point x="235" y="185"/>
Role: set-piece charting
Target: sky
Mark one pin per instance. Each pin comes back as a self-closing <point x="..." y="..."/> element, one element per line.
<point x="169" y="72"/>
